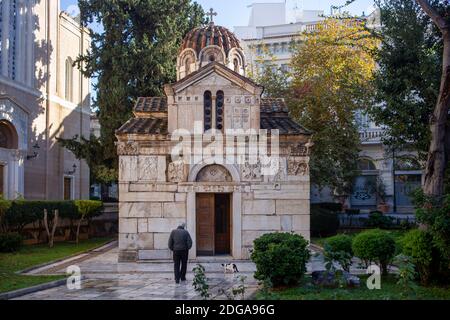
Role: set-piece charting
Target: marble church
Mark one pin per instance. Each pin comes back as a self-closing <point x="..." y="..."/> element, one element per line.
<point x="225" y="204"/>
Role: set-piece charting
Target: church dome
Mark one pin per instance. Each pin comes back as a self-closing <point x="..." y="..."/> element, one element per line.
<point x="210" y="35"/>
<point x="206" y="44"/>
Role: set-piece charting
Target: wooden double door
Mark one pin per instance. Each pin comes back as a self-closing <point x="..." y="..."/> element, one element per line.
<point x="213" y="224"/>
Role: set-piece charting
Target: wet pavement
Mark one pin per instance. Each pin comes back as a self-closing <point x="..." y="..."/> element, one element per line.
<point x="103" y="278"/>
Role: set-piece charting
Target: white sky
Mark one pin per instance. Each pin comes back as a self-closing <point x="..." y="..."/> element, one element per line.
<point x="233" y="13"/>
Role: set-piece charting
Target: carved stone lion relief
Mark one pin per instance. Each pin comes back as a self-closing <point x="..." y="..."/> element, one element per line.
<point x="176" y="171"/>
<point x="214" y="173"/>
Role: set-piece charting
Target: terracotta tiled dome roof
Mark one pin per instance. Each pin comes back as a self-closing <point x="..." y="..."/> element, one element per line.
<point x="210" y="34"/>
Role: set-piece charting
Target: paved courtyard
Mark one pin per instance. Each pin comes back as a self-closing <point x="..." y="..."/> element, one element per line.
<point x="106" y="279"/>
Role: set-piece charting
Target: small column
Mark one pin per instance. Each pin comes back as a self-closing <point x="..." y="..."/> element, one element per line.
<point x="30" y="45"/>
<point x="5" y="37"/>
<point x="19" y="41"/>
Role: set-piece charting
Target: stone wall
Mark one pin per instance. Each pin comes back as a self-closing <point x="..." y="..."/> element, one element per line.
<point x="150" y="207"/>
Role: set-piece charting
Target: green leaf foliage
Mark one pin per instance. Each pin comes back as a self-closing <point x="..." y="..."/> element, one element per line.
<point x="280" y="258"/>
<point x="375" y="246"/>
<point x="134" y="54"/>
<point x="408" y="78"/>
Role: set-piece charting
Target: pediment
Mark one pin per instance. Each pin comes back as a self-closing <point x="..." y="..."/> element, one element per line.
<point x="220" y="75"/>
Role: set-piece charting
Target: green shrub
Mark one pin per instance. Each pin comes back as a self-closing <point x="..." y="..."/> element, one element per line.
<point x="341" y="242"/>
<point x="378" y="220"/>
<point x="418" y="245"/>
<point x="338" y="249"/>
<point x="352" y="212"/>
<point x="87" y="209"/>
<point x="434" y="213"/>
<point x="4" y="207"/>
<point x="23" y="212"/>
<point x="280" y="258"/>
<point x="10" y="242"/>
<point x="323" y="222"/>
<point x="331" y="206"/>
<point x="375" y="246"/>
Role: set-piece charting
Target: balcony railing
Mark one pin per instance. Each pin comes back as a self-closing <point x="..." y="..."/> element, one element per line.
<point x="371" y="135"/>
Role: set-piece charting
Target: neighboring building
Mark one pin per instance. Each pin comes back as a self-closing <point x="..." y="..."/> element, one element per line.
<point x="225" y="206"/>
<point x="42" y="97"/>
<point x="398" y="176"/>
<point x="275" y="34"/>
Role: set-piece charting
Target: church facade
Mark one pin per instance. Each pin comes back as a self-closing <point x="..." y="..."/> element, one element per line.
<point x="189" y="157"/>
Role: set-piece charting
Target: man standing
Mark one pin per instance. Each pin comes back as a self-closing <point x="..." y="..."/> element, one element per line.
<point x="180" y="242"/>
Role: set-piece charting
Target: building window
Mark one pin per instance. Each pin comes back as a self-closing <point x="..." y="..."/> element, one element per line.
<point x="219" y="110"/>
<point x="408" y="178"/>
<point x="69" y="80"/>
<point x="68" y="189"/>
<point x="236" y="65"/>
<point x="366" y="165"/>
<point x="364" y="186"/>
<point x="188" y="65"/>
<point x="207" y="110"/>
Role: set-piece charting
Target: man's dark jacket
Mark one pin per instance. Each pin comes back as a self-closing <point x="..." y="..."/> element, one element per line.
<point x="180" y="240"/>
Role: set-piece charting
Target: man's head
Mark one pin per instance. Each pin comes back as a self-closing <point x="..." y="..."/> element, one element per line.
<point x="182" y="226"/>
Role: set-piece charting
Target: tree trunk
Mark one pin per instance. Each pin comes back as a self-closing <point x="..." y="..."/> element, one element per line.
<point x="438" y="150"/>
<point x="55" y="223"/>
<point x="50" y="235"/>
<point x="78" y="229"/>
<point x="437" y="154"/>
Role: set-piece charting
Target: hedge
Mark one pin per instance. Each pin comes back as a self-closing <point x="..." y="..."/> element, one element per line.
<point x="324" y="222"/>
<point x="16" y="214"/>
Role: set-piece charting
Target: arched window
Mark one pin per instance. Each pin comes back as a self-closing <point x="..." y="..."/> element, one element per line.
<point x="8" y="135"/>
<point x="207" y="110"/>
<point x="366" y="165"/>
<point x="407" y="164"/>
<point x="69" y="80"/>
<point x="219" y="110"/>
<point x="188" y="65"/>
<point x="236" y="65"/>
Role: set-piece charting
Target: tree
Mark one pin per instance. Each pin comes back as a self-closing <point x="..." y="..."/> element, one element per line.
<point x="406" y="81"/>
<point x="133" y="55"/>
<point x="269" y="74"/>
<point x="439" y="124"/>
<point x="439" y="151"/>
<point x="332" y="76"/>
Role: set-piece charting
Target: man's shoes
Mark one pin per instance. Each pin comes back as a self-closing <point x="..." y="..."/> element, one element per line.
<point x="177" y="281"/>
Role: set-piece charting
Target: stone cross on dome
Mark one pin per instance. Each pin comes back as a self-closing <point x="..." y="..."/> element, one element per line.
<point x="211" y="15"/>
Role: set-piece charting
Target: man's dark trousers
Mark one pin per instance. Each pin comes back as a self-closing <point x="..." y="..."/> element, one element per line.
<point x="180" y="257"/>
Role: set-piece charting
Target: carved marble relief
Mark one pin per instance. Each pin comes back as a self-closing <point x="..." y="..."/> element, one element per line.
<point x="214" y="173"/>
<point x="300" y="149"/>
<point x="251" y="172"/>
<point x="176" y="172"/>
<point x="129" y="148"/>
<point x="297" y="167"/>
<point x="280" y="174"/>
<point x="241" y="118"/>
<point x="128" y="168"/>
<point x="148" y="168"/>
